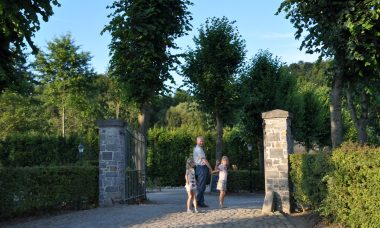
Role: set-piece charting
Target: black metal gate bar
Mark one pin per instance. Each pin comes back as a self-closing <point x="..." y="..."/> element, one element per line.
<point x="135" y="178"/>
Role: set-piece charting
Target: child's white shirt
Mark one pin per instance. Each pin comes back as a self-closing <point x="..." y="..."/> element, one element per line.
<point x="222" y="172"/>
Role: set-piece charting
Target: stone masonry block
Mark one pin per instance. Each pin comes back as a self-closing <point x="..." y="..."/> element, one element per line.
<point x="106" y="155"/>
<point x="111" y="147"/>
<point x="283" y="168"/>
<point x="273" y="136"/>
<point x="268" y="205"/>
<point x="276" y="153"/>
<point x="271" y="174"/>
<point x="111" y="189"/>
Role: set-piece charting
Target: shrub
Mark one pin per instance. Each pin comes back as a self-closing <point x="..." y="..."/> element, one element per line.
<point x="29" y="190"/>
<point x="167" y="154"/>
<point x="168" y="150"/>
<point x="40" y="150"/>
<point x="239" y="180"/>
<point x="307" y="173"/>
<point x="353" y="186"/>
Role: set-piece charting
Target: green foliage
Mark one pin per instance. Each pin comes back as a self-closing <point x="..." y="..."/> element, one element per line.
<point x="210" y="71"/>
<point x="28" y="191"/>
<point x="259" y="85"/>
<point x="307" y="173"/>
<point x="342" y="186"/>
<point x="239" y="181"/>
<point x="211" y="67"/>
<point x="184" y="114"/>
<point x="34" y="150"/>
<point x="143" y="33"/>
<point x="315" y="126"/>
<point x="353" y="185"/>
<point x="168" y="150"/>
<point x="66" y="74"/>
<point x="18" y="24"/>
<point x="348" y="31"/>
<point x="236" y="149"/>
<point x="20" y="113"/>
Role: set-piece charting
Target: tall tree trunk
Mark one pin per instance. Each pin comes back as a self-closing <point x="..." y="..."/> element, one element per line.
<point x="219" y="137"/>
<point x="63" y="121"/>
<point x="117" y="109"/>
<point x="143" y="119"/>
<point x="362" y="122"/>
<point x="260" y="150"/>
<point x="336" y="108"/>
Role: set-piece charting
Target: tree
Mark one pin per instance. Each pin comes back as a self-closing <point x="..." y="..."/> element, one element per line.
<point x="346" y="30"/>
<point x="184" y="114"/>
<point x="21" y="114"/>
<point x="210" y="69"/>
<point x="19" y="21"/>
<point x="65" y="74"/>
<point x="143" y="33"/>
<point x="321" y="19"/>
<point x="258" y="86"/>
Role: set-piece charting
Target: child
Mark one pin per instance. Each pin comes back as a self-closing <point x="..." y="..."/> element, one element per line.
<point x="222" y="182"/>
<point x="191" y="185"/>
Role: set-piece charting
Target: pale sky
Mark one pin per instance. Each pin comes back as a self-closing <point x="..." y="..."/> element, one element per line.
<point x="255" y="19"/>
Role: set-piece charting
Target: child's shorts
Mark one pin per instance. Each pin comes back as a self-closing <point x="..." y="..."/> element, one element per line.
<point x="222" y="185"/>
<point x="190" y="187"/>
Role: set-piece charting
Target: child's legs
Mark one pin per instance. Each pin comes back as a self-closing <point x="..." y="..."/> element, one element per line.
<point x="194" y="196"/>
<point x="189" y="196"/>
<point x="221" y="196"/>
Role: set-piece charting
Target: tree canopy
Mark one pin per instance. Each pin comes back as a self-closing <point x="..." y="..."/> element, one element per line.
<point x="19" y="21"/>
<point x="143" y="34"/>
<point x="211" y="68"/>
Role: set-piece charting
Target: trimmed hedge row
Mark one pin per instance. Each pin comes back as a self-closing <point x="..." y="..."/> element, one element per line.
<point x="353" y="186"/>
<point x="168" y="150"/>
<point x="239" y="181"/>
<point x="31" y="190"/>
<point x="307" y="173"/>
<point x="39" y="150"/>
<point x="343" y="186"/>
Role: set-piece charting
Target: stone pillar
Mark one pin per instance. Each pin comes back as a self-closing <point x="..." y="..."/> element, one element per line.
<point x="278" y="144"/>
<point x="111" y="162"/>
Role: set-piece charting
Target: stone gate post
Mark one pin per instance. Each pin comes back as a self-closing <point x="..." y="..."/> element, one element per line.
<point x="278" y="144"/>
<point x="111" y="161"/>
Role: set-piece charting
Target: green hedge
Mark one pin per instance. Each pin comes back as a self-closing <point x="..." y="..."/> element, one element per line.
<point x="30" y="190"/>
<point x="307" y="173"/>
<point x="343" y="186"/>
<point x="239" y="180"/>
<point x="168" y="150"/>
<point x="353" y="197"/>
<point x="40" y="150"/>
<point x="167" y="154"/>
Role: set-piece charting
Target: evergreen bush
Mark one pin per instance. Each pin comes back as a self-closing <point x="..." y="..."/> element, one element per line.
<point x="39" y="150"/>
<point x="168" y="150"/>
<point x="307" y="173"/>
<point x="239" y="181"/>
<point x="353" y="197"/>
<point x="30" y="190"/>
<point x="343" y="186"/>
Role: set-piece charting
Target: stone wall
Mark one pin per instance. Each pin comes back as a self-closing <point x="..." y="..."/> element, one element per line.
<point x="278" y="144"/>
<point x="111" y="162"/>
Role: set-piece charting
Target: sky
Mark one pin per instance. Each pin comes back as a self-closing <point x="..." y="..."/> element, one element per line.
<point x="255" y="19"/>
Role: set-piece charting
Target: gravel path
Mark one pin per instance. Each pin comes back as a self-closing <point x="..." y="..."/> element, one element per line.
<point x="168" y="209"/>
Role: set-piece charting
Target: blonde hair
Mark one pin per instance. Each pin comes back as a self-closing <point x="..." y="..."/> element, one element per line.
<point x="225" y="158"/>
<point x="190" y="163"/>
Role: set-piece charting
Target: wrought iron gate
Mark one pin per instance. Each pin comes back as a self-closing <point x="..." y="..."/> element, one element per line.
<point x="135" y="157"/>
